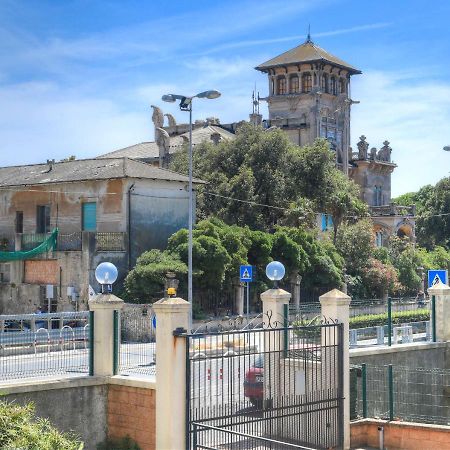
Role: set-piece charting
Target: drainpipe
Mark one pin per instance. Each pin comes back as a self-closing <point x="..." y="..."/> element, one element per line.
<point x="129" y="225"/>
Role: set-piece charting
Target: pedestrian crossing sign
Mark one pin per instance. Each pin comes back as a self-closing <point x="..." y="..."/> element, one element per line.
<point x="436" y="276"/>
<point x="246" y="273"/>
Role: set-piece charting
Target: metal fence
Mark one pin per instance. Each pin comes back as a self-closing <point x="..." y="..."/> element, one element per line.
<point x="403" y="393"/>
<point x="263" y="388"/>
<point x="138" y="340"/>
<point x="40" y="345"/>
<point x="377" y="321"/>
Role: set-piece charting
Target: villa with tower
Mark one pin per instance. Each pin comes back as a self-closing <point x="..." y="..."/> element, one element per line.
<point x="309" y="97"/>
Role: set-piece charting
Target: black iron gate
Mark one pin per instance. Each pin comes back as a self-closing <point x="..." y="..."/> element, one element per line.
<point x="270" y="388"/>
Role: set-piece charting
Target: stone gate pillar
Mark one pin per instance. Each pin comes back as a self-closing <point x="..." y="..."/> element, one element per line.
<point x="442" y="295"/>
<point x="171" y="314"/>
<point x="335" y="307"/>
<point x="295" y="281"/>
<point x="239" y="296"/>
<point x="104" y="306"/>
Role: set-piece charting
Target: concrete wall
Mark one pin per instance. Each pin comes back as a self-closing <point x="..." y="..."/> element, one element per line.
<point x="93" y="407"/>
<point x="426" y="354"/>
<point x="78" y="405"/>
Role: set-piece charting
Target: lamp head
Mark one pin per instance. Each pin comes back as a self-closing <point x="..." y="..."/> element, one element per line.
<point x="170" y="98"/>
<point x="275" y="272"/>
<point x="106" y="274"/>
<point x="447" y="148"/>
<point x="212" y="94"/>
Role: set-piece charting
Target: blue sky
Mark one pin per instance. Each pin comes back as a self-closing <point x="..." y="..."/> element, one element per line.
<point x="78" y="77"/>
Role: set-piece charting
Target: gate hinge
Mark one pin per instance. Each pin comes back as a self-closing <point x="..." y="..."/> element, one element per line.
<point x="179" y="331"/>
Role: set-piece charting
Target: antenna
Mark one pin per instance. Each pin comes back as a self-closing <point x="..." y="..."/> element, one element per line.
<point x="308" y="39"/>
<point x="255" y="101"/>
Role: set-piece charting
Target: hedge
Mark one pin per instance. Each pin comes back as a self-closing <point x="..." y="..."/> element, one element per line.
<point x="398" y="317"/>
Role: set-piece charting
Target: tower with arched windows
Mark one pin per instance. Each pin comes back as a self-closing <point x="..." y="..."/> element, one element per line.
<point x="309" y="97"/>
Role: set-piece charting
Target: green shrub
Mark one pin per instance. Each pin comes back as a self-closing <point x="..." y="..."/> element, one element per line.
<point x="374" y="320"/>
<point x="125" y="443"/>
<point x="20" y="429"/>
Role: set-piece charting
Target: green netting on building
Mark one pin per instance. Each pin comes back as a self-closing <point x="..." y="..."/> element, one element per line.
<point x="44" y="247"/>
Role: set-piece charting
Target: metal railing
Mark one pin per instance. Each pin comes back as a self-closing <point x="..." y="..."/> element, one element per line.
<point x="403" y="393"/>
<point x="41" y="345"/>
<point x="392" y="210"/>
<point x="7" y="243"/>
<point x="208" y="437"/>
<point x="138" y="340"/>
<point x="69" y="241"/>
<point x="32" y="240"/>
<point x="110" y="242"/>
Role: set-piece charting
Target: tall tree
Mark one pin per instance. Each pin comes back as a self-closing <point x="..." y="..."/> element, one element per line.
<point x="260" y="179"/>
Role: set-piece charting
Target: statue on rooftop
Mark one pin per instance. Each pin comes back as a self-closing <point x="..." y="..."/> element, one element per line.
<point x="162" y="139"/>
<point x="384" y="153"/>
<point x="157" y="117"/>
<point x="363" y="146"/>
<point x="171" y="119"/>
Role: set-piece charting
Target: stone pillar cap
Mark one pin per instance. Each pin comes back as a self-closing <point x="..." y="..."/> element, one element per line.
<point x="172" y="303"/>
<point x="105" y="301"/>
<point x="439" y="288"/>
<point x="335" y="296"/>
<point x="277" y="294"/>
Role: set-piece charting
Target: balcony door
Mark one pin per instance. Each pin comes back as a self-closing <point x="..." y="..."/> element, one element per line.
<point x="89" y="216"/>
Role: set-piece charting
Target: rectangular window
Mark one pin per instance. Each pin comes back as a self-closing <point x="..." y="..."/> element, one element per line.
<point x="43" y="219"/>
<point x="295" y="86"/>
<point x="19" y="221"/>
<point x="89" y="216"/>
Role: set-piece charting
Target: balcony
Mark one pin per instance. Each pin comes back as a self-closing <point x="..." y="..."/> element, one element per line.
<point x="392" y="210"/>
<point x="67" y="242"/>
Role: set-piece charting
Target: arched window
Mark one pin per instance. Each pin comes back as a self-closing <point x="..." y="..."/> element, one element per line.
<point x="306" y="82"/>
<point x="294" y="84"/>
<point x="333" y="86"/>
<point x="324" y="83"/>
<point x="379" y="239"/>
<point x="281" y="86"/>
<point x="342" y="86"/>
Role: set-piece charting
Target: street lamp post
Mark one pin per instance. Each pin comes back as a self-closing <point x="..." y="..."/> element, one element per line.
<point x="186" y="105"/>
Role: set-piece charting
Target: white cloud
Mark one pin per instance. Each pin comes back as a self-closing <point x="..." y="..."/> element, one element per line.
<point x="412" y="113"/>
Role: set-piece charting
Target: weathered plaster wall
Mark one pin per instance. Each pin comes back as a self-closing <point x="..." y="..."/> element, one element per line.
<point x="157" y="211"/>
<point x="65" y="201"/>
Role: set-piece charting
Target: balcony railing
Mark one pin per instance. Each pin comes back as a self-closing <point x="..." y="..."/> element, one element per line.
<point x="69" y="242"/>
<point x="393" y="210"/>
<point x="110" y="242"/>
<point x="7" y="243"/>
<point x="104" y="241"/>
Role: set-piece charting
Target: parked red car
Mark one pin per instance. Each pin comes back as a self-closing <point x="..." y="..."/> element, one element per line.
<point x="253" y="382"/>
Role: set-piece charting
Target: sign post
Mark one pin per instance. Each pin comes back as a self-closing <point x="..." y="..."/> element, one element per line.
<point x="436" y="276"/>
<point x="246" y="276"/>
